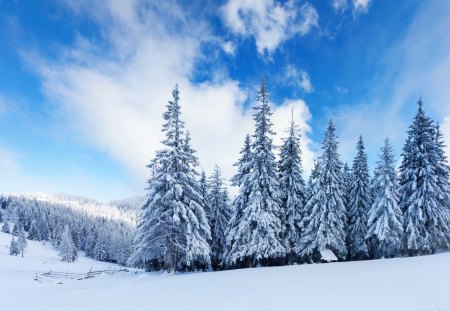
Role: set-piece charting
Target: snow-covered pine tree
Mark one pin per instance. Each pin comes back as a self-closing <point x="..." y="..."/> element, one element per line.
<point x="312" y="177"/>
<point x="292" y="188"/>
<point x="243" y="170"/>
<point x="33" y="233"/>
<point x="15" y="229"/>
<point x="360" y="201"/>
<point x="21" y="240"/>
<point x="5" y="226"/>
<point x="220" y="216"/>
<point x="14" y="247"/>
<point x="347" y="175"/>
<point x="67" y="249"/>
<point x="426" y="227"/>
<point x="256" y="240"/>
<point x="385" y="217"/>
<point x="443" y="178"/>
<point x="347" y="185"/>
<point x="101" y="249"/>
<point x="204" y="191"/>
<point x="324" y="226"/>
<point x="173" y="229"/>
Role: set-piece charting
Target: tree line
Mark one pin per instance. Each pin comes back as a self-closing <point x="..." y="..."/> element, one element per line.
<point x="188" y="222"/>
<point x="70" y="224"/>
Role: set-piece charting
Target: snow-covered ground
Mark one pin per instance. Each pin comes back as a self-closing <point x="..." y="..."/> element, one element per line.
<point x="421" y="283"/>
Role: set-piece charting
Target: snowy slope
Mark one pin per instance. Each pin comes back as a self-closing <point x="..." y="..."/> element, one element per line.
<point x="421" y="283"/>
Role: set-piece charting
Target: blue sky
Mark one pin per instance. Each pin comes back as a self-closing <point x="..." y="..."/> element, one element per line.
<point x="83" y="84"/>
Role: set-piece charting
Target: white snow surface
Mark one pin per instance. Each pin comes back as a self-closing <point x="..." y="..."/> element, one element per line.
<point x="420" y="283"/>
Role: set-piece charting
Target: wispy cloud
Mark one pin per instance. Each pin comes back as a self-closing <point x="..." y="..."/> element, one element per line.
<point x="115" y="102"/>
<point x="297" y="78"/>
<point x="269" y="22"/>
<point x="357" y="7"/>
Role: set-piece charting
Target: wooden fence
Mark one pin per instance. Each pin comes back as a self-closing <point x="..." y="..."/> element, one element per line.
<point x="77" y="276"/>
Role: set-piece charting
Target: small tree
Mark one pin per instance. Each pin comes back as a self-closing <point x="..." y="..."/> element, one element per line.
<point x="15" y="230"/>
<point x="67" y="249"/>
<point x="22" y="240"/>
<point x="5" y="227"/>
<point x="14" y="248"/>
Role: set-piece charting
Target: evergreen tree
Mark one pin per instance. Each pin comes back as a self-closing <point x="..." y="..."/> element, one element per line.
<point x="359" y="204"/>
<point x="173" y="230"/>
<point x="347" y="187"/>
<point x="14" y="248"/>
<point x="385" y="217"/>
<point x="243" y="170"/>
<point x="324" y="225"/>
<point x="220" y="216"/>
<point x="21" y="240"/>
<point x="426" y="227"/>
<point x="33" y="233"/>
<point x="443" y="178"/>
<point x="101" y="250"/>
<point x="67" y="249"/>
<point x="293" y="190"/>
<point x="15" y="230"/>
<point x="256" y="240"/>
<point x="204" y="191"/>
<point x="5" y="227"/>
<point x="312" y="178"/>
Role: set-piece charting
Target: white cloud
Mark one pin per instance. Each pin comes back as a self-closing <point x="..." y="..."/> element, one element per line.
<point x="361" y="6"/>
<point x="357" y="6"/>
<point x="269" y="22"/>
<point x="115" y="102"/>
<point x="229" y="47"/>
<point x="339" y="5"/>
<point x="298" y="78"/>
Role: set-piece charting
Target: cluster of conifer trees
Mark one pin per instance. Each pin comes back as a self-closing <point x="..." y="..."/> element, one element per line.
<point x="188" y="222"/>
<point x="70" y="224"/>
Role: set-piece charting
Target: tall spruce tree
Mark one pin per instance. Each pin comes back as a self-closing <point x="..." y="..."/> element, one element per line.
<point x="292" y="188"/>
<point x="220" y="216"/>
<point x="347" y="175"/>
<point x="238" y="180"/>
<point x="204" y="191"/>
<point x="385" y="217"/>
<point x="443" y="178"/>
<point x="256" y="240"/>
<point x="324" y="226"/>
<point x="426" y="227"/>
<point x="359" y="204"/>
<point x="173" y="229"/>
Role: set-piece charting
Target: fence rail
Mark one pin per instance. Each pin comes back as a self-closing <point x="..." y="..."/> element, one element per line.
<point x="77" y="276"/>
